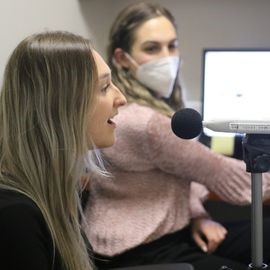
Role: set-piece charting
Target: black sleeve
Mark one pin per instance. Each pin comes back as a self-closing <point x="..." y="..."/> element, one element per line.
<point x="25" y="242"/>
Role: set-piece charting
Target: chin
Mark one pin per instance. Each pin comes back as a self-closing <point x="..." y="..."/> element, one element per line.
<point x="106" y="144"/>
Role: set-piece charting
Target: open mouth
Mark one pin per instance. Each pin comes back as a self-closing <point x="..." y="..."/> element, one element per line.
<point x="110" y="122"/>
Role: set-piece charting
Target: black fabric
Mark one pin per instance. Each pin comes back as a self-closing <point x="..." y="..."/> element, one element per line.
<point x="25" y="241"/>
<point x="234" y="252"/>
<point x="175" y="266"/>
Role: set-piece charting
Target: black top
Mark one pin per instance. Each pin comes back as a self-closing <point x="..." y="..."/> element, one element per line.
<point x="25" y="241"/>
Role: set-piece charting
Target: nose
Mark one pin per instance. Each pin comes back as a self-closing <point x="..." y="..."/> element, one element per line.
<point x="120" y="99"/>
<point x="165" y="52"/>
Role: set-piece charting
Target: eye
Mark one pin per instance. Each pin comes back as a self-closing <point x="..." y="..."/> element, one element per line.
<point x="173" y="46"/>
<point x="152" y="49"/>
<point x="105" y="87"/>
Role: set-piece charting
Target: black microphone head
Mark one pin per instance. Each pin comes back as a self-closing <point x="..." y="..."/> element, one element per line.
<point x="186" y="123"/>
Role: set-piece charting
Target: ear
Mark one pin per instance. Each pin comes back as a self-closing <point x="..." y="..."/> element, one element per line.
<point x="121" y="58"/>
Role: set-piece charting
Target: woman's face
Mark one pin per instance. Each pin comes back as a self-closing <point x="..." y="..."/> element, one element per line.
<point x="108" y="100"/>
<point x="156" y="38"/>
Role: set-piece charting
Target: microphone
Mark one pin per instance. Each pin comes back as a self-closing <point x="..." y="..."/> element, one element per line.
<point x="187" y="124"/>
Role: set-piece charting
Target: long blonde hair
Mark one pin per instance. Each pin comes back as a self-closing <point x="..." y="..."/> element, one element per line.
<point x="122" y="35"/>
<point x="47" y="91"/>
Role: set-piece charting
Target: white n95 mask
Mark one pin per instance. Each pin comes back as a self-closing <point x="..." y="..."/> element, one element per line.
<point x="159" y="75"/>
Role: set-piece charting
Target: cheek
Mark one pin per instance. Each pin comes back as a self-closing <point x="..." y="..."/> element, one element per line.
<point x="140" y="56"/>
<point x="144" y="58"/>
<point x="92" y="127"/>
<point x="90" y="135"/>
<point x="97" y="123"/>
<point x="175" y="53"/>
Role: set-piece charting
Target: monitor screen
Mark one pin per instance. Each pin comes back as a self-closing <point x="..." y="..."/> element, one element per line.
<point x="236" y="85"/>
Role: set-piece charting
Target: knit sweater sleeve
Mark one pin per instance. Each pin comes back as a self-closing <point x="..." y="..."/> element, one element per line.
<point x="192" y="161"/>
<point x="198" y="194"/>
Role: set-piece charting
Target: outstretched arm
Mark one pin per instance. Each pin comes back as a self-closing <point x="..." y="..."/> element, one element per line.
<point x="192" y="161"/>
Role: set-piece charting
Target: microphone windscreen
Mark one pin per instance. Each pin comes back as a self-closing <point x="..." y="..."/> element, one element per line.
<point x="186" y="123"/>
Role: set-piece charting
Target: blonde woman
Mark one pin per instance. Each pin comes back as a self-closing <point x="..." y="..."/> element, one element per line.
<point x="148" y="213"/>
<point x="56" y="103"/>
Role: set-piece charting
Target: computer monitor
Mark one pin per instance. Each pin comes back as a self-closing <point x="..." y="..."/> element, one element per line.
<point x="235" y="85"/>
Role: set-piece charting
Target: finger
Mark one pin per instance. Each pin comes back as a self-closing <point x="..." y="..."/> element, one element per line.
<point x="200" y="242"/>
<point x="221" y="236"/>
<point x="212" y="245"/>
<point x="218" y="237"/>
<point x="222" y="229"/>
<point x="214" y="234"/>
<point x="222" y="233"/>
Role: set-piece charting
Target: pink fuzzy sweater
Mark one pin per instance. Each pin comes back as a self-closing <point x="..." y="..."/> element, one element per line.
<point x="149" y="193"/>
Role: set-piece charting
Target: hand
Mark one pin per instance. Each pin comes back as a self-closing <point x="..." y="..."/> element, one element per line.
<point x="208" y="234"/>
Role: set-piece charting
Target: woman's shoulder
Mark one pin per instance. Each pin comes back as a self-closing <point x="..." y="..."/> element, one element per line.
<point x="26" y="241"/>
<point x="14" y="199"/>
<point x="17" y="206"/>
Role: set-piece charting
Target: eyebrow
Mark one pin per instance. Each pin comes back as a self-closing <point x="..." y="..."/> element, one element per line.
<point x="105" y="75"/>
<point x="155" y="41"/>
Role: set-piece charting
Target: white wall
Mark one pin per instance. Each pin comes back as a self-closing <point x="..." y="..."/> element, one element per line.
<point x="20" y="18"/>
<point x="202" y="23"/>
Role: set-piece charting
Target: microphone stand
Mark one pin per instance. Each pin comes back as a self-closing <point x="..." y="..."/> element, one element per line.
<point x="257" y="224"/>
<point x="256" y="154"/>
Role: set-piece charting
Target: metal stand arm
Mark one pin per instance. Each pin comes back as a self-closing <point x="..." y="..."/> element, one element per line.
<point x="256" y="222"/>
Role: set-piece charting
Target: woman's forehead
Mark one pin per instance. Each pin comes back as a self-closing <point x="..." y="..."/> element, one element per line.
<point x="157" y="29"/>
